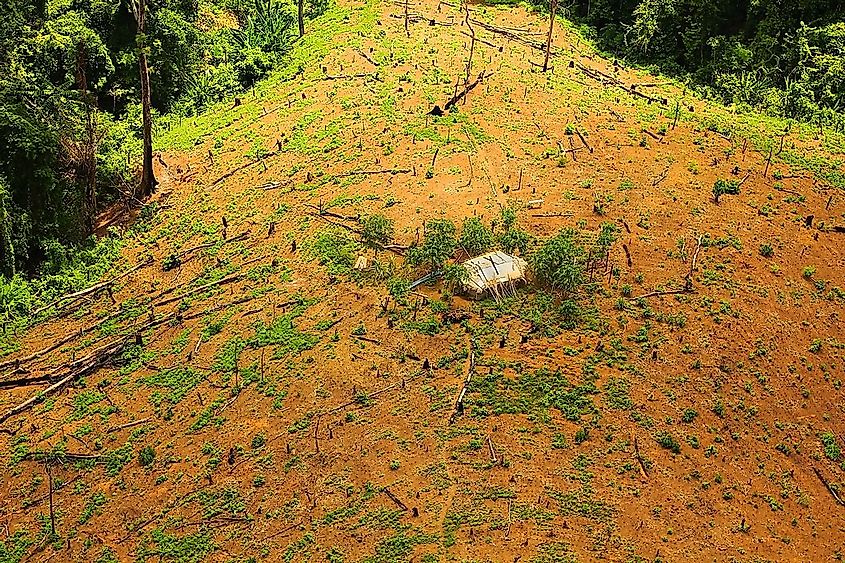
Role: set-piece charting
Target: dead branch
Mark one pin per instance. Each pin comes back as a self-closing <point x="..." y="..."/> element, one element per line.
<point x="583" y="140"/>
<point x="77" y="369"/>
<point x="366" y="339"/>
<point x="373" y="394"/>
<point x="659" y="179"/>
<point x="639" y="457"/>
<point x="238" y="238"/>
<point x="128" y="425"/>
<point x="467" y="89"/>
<point x="373" y="75"/>
<point x="393" y="497"/>
<point x="830" y="489"/>
<point x="224" y="281"/>
<point x="694" y="258"/>
<point x="653" y="135"/>
<point x="493" y="457"/>
<point x="366" y="57"/>
<point x="391" y="171"/>
<point x="244" y="166"/>
<point x="459" y="403"/>
<point x="93" y="290"/>
<point x="666" y="292"/>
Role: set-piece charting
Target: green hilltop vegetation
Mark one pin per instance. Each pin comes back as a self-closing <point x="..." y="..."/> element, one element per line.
<point x="70" y="110"/>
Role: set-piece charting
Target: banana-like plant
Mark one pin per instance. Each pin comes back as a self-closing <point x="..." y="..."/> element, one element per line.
<point x="267" y="27"/>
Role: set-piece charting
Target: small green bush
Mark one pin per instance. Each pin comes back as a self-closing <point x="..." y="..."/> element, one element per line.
<point x="559" y="262"/>
<point x="476" y="237"/>
<point x="146" y="456"/>
<point x="666" y="440"/>
<point x="377" y="231"/>
<point x="766" y="250"/>
<point x="512" y="238"/>
<point x="725" y="187"/>
<point x="438" y="245"/>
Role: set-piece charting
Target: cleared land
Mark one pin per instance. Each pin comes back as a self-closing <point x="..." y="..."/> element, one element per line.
<point x="244" y="394"/>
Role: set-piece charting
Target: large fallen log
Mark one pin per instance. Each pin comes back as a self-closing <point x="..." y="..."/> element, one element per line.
<point x="71" y="298"/>
<point x="224" y="281"/>
<point x="76" y="369"/>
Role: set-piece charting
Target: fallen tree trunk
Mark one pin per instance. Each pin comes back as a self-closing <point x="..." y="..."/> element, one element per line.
<point x="224" y="281"/>
<point x="93" y="290"/>
<point x="467" y="89"/>
<point x="79" y="368"/>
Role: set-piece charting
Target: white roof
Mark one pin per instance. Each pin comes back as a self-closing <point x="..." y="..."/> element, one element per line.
<point x="491" y="269"/>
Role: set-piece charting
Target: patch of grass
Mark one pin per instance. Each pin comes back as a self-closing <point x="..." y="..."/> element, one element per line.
<point x="92" y="507"/>
<point x="284" y="335"/>
<point x="335" y="250"/>
<point x="531" y="393"/>
<point x="173" y="384"/>
<point x="831" y="449"/>
<point x="191" y="548"/>
<point x="617" y="390"/>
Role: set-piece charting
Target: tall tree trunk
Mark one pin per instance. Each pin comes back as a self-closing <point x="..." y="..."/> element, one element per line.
<point x="549" y="38"/>
<point x="88" y="152"/>
<point x="148" y="179"/>
<point x="7" y="251"/>
<point x="300" y="16"/>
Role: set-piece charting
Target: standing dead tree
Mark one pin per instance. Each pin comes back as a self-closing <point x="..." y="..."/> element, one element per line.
<point x="148" y="179"/>
<point x="553" y="10"/>
<point x="300" y="16"/>
<point x="471" y="44"/>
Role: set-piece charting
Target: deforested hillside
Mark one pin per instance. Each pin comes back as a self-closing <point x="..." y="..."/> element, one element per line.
<point x="259" y="377"/>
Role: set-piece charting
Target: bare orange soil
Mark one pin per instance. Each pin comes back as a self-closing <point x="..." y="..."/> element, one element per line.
<point x="336" y="437"/>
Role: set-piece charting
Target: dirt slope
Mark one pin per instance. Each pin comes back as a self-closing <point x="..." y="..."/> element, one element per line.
<point x="247" y="396"/>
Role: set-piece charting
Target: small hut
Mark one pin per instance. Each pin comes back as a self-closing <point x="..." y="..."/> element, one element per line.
<point x="494" y="272"/>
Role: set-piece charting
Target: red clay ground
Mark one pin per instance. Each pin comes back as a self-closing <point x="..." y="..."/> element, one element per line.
<point x="291" y="417"/>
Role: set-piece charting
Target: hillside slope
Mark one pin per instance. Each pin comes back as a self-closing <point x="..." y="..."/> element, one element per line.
<point x="241" y="393"/>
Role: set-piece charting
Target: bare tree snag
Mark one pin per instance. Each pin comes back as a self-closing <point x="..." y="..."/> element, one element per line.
<point x="768" y="162"/>
<point x="300" y="16"/>
<point x="471" y="44"/>
<point x="87" y="153"/>
<point x="553" y="9"/>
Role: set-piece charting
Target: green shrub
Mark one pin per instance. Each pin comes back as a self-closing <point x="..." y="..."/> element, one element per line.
<point x="399" y="289"/>
<point x="476" y="237"/>
<point x="725" y="187"/>
<point x="766" y="250"/>
<point x="438" y="245"/>
<point x="377" y="231"/>
<point x="454" y="276"/>
<point x="146" y="456"/>
<point x="560" y="262"/>
<point x="582" y="435"/>
<point x="512" y="238"/>
<point x="666" y="440"/>
<point x="831" y="448"/>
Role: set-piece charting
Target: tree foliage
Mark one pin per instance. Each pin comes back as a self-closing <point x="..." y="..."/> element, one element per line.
<point x="439" y="244"/>
<point x="476" y="237"/>
<point x="70" y="85"/>
<point x="559" y="262"/>
<point x="787" y="58"/>
<point x="377" y="230"/>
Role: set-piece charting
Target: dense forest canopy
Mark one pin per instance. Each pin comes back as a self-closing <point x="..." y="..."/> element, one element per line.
<point x="70" y="89"/>
<point x="784" y="57"/>
<point x="70" y="111"/>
